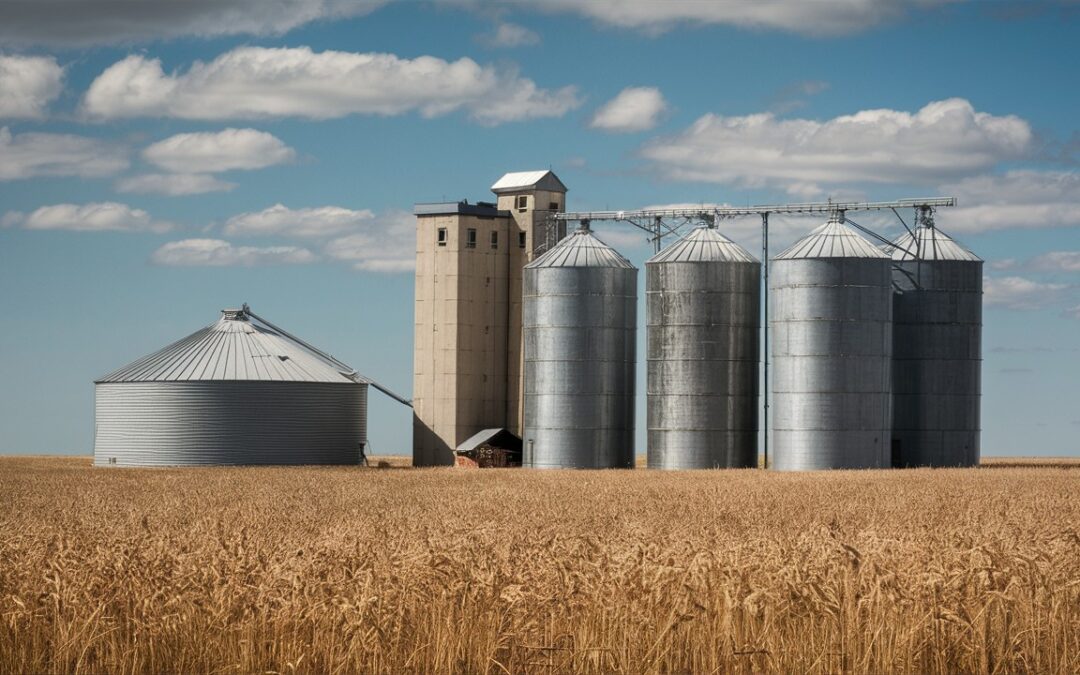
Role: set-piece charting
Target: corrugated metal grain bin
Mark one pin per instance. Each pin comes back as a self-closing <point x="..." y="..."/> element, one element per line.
<point x="232" y="393"/>
<point x="580" y="328"/>
<point x="703" y="302"/>
<point x="831" y="295"/>
<point x="937" y="350"/>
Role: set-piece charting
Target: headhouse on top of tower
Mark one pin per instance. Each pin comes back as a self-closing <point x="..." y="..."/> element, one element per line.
<point x="518" y="181"/>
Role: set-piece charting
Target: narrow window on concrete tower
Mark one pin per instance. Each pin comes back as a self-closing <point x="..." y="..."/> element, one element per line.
<point x="470" y="238"/>
<point x="494" y="239"/>
<point x="522" y="202"/>
<point x="441" y="238"/>
<point x="521" y="240"/>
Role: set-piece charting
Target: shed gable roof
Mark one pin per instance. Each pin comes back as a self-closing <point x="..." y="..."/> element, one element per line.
<point x="497" y="436"/>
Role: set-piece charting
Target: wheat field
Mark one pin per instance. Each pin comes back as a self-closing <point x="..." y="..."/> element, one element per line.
<point x="507" y="571"/>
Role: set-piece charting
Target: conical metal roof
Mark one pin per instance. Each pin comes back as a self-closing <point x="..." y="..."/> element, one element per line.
<point x="834" y="239"/>
<point x="581" y="249"/>
<point x="233" y="348"/>
<point x="929" y="243"/>
<point x="703" y="244"/>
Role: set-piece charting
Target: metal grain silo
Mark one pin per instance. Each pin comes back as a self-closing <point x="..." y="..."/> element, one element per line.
<point x="235" y="392"/>
<point x="832" y="352"/>
<point x="580" y="328"/>
<point x="703" y="300"/>
<point x="937" y="350"/>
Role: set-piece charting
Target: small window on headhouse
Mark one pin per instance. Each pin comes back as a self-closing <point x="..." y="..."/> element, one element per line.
<point x="522" y="202"/>
<point x="494" y="239"/>
<point x="521" y="240"/>
<point x="554" y="206"/>
<point x="441" y="237"/>
<point x="470" y="238"/>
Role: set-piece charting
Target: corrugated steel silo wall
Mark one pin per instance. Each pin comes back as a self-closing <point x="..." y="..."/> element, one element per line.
<point x="229" y="422"/>
<point x="832" y="363"/>
<point x="580" y="328"/>
<point x="703" y="323"/>
<point x="937" y="363"/>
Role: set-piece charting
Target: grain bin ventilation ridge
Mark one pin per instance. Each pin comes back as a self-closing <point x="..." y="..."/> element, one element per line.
<point x="233" y="348"/>
<point x="581" y="248"/>
<point x="834" y="239"/>
<point x="703" y="244"/>
<point x="928" y="243"/>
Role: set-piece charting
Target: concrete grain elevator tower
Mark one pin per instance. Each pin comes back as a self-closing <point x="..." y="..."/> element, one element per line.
<point x="467" y="359"/>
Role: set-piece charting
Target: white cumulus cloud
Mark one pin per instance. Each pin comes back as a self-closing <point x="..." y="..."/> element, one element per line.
<point x="94" y="217"/>
<point x="173" y="184"/>
<point x="220" y="253"/>
<point x="257" y="82"/>
<point x="386" y="244"/>
<point x="813" y="17"/>
<point x="1021" y="199"/>
<point x="510" y="35"/>
<point x="28" y="84"/>
<point x="943" y="140"/>
<point x="68" y="23"/>
<point x="1020" y="293"/>
<point x="211" y="152"/>
<point x="1057" y="261"/>
<point x="79" y="23"/>
<point x="39" y="154"/>
<point x="325" y="221"/>
<point x="795" y="95"/>
<point x="633" y="109"/>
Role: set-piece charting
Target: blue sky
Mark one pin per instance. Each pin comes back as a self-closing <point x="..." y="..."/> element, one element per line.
<point x="162" y="160"/>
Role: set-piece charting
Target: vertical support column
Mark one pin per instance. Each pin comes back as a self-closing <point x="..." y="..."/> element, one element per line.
<point x="657" y="224"/>
<point x="765" y="301"/>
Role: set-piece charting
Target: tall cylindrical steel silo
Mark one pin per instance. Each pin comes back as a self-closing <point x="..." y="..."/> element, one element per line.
<point x="235" y="392"/>
<point x="580" y="333"/>
<point x="937" y="350"/>
<point x="831" y="296"/>
<point x="703" y="300"/>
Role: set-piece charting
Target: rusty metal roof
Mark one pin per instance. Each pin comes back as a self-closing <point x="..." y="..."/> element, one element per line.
<point x="488" y="435"/>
